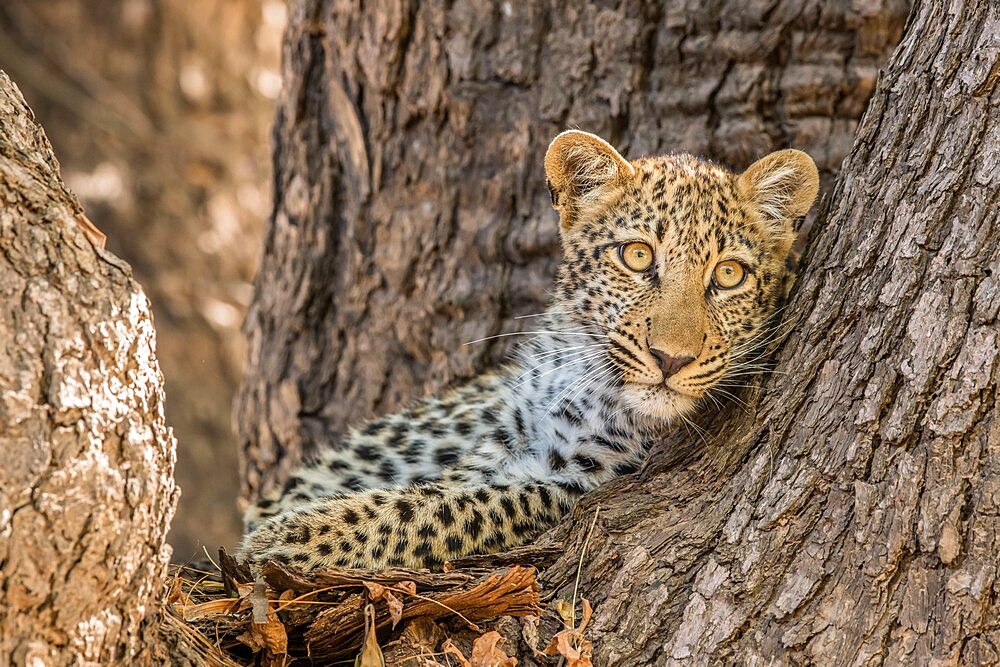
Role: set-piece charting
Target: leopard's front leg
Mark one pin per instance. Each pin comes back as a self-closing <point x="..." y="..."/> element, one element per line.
<point x="417" y="526"/>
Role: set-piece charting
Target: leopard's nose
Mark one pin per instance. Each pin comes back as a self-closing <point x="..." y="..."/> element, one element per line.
<point x="669" y="365"/>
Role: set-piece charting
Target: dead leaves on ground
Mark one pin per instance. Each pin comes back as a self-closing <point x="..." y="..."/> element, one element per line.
<point x="374" y="619"/>
<point x="341" y="614"/>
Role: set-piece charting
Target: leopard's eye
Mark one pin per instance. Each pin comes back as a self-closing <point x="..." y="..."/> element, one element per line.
<point x="729" y="274"/>
<point x="636" y="256"/>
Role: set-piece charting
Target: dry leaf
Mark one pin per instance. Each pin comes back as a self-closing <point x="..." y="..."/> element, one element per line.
<point x="90" y="230"/>
<point x="565" y="611"/>
<point x="417" y="646"/>
<point x="572" y="645"/>
<point x="269" y="634"/>
<point x="272" y="634"/>
<point x="371" y="654"/>
<point x="375" y="591"/>
<point x="175" y="593"/>
<point x="570" y="642"/>
<point x="395" y="605"/>
<point x="486" y="652"/>
<point x="191" y="612"/>
<point x="394" y="602"/>
<point x="407" y="587"/>
<point x="424" y="632"/>
<point x="588" y="611"/>
<point x="265" y="630"/>
<point x="449" y="648"/>
<point x="286" y="600"/>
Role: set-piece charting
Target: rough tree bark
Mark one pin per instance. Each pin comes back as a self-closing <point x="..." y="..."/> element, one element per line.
<point x="411" y="213"/>
<point x="850" y="514"/>
<point x="86" y="484"/>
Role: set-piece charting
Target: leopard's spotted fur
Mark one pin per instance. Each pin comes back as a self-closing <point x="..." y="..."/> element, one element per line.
<point x="494" y="462"/>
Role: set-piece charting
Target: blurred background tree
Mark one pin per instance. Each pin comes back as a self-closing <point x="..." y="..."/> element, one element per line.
<point x="159" y="111"/>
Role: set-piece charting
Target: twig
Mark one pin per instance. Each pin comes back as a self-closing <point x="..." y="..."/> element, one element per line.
<point x="579" y="566"/>
<point x="210" y="559"/>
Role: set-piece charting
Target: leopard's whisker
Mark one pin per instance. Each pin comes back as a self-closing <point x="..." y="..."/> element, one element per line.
<point x="561" y="396"/>
<point x="764" y="338"/>
<point x="747" y="366"/>
<point x="738" y="372"/>
<point x="731" y="385"/>
<point x="563" y="350"/>
<point x="595" y="378"/>
<point x="586" y="357"/>
<point x="732" y="396"/>
<point x="613" y="414"/>
<point x="579" y="386"/>
<point x="697" y="429"/>
<point x="534" y="333"/>
<point x="543" y="314"/>
<point x="766" y="331"/>
<point x="545" y="359"/>
<point x="715" y="401"/>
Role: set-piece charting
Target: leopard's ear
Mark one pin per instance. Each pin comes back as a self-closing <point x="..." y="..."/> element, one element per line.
<point x="582" y="170"/>
<point x="782" y="186"/>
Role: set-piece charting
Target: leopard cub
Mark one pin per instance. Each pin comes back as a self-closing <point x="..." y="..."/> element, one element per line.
<point x="673" y="269"/>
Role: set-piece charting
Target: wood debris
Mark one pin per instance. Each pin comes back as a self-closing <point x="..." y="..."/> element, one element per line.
<point x="336" y="615"/>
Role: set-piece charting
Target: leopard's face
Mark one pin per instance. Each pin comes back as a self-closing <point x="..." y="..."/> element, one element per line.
<point x="678" y="263"/>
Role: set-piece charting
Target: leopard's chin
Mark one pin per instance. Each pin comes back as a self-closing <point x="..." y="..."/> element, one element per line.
<point x="658" y="401"/>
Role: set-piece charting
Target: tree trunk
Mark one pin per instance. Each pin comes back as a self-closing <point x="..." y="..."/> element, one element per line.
<point x="852" y="516"/>
<point x="411" y="213"/>
<point x="86" y="484"/>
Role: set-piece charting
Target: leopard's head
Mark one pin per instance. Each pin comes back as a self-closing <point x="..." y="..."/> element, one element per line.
<point x="677" y="262"/>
